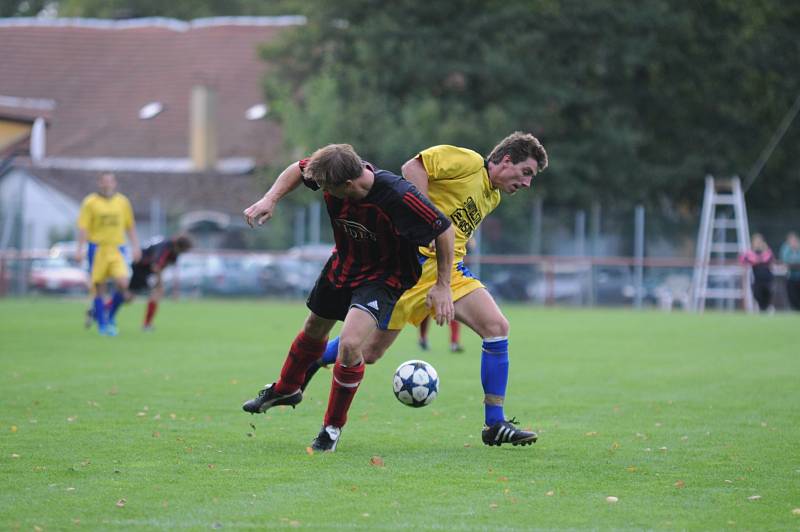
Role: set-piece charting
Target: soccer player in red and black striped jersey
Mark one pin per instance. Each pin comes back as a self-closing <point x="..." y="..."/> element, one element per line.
<point x="379" y="219"/>
<point x="147" y="271"/>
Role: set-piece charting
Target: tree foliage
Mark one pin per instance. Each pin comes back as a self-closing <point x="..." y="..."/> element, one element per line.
<point x="635" y="102"/>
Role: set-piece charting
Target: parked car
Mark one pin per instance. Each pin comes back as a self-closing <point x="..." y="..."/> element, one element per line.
<point x="57" y="275"/>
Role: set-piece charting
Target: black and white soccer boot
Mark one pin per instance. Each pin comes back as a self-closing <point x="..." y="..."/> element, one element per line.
<point x="327" y="439"/>
<point x="505" y="432"/>
<point x="268" y="397"/>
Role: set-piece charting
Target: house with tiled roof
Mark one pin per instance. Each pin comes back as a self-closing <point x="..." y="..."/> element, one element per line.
<point x="176" y="109"/>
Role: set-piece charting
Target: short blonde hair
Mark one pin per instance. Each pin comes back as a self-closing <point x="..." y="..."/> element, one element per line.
<point x="334" y="164"/>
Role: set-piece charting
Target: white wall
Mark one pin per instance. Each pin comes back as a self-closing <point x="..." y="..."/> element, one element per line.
<point x="43" y="209"/>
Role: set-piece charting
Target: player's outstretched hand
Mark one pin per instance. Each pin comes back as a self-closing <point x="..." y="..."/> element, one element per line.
<point x="440" y="299"/>
<point x="259" y="212"/>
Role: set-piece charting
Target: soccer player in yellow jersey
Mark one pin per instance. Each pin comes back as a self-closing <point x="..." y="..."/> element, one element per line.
<point x="104" y="219"/>
<point x="467" y="188"/>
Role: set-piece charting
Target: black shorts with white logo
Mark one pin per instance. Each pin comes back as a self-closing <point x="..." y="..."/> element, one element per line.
<point x="329" y="302"/>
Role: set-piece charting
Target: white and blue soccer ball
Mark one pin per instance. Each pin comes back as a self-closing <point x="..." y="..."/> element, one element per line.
<point x="416" y="383"/>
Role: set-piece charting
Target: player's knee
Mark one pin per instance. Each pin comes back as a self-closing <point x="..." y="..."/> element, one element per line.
<point x="316" y="327"/>
<point x="372" y="355"/>
<point x="497" y="327"/>
<point x="350" y="350"/>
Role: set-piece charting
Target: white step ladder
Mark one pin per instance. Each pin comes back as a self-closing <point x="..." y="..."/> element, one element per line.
<point x="716" y="274"/>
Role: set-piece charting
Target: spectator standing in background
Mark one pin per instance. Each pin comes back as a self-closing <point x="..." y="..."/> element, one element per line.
<point x="790" y="255"/>
<point x="759" y="257"/>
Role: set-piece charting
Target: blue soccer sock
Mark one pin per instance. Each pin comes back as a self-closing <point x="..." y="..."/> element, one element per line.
<point x="329" y="356"/>
<point x="100" y="312"/>
<point x="116" y="301"/>
<point x="494" y="377"/>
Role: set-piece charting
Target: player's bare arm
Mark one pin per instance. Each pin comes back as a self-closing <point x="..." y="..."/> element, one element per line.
<point x="414" y="171"/>
<point x="262" y="210"/>
<point x="440" y="297"/>
<point x="133" y="238"/>
<point x="81" y="245"/>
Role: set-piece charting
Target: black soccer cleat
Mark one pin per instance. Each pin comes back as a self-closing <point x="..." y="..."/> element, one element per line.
<point x="505" y="432"/>
<point x="268" y="397"/>
<point x="327" y="439"/>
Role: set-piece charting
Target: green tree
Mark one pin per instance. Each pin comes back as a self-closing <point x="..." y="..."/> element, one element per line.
<point x="21" y="8"/>
<point x="635" y="102"/>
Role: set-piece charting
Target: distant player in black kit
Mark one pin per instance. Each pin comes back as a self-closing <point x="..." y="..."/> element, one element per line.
<point x="147" y="272"/>
<point x="379" y="219"/>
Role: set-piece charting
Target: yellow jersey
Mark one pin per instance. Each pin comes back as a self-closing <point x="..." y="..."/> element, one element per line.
<point x="459" y="186"/>
<point x="106" y="220"/>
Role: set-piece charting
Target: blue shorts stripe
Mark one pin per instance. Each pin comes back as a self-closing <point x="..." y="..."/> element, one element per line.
<point x="461" y="267"/>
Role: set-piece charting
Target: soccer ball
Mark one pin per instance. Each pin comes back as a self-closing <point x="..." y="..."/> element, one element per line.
<point x="416" y="383"/>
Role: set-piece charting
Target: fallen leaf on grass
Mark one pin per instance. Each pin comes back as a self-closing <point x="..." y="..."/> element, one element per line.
<point x="14" y="455"/>
<point x="377" y="461"/>
<point x="550" y="493"/>
<point x="592" y="433"/>
<point x="631" y="469"/>
<point x="72" y="418"/>
<point x="611" y="499"/>
<point x="156" y="434"/>
<point x="493" y="505"/>
<point x="796" y="511"/>
<point x="121" y="503"/>
<point x="13" y="428"/>
<point x="309" y="451"/>
<point x="680" y="484"/>
<point x="754" y="497"/>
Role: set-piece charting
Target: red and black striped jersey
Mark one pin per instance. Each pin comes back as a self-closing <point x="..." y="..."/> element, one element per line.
<point x="377" y="237"/>
<point x="160" y="254"/>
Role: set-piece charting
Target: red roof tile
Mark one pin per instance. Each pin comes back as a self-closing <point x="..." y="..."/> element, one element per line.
<point x="100" y="73"/>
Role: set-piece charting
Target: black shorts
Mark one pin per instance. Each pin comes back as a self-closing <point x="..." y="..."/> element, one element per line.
<point x="139" y="278"/>
<point x="329" y="302"/>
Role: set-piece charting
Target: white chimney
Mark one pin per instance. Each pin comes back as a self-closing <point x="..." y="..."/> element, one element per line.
<point x="38" y="140"/>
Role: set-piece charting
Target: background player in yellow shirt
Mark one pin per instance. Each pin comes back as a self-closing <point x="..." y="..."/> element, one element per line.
<point x="464" y="186"/>
<point x="104" y="219"/>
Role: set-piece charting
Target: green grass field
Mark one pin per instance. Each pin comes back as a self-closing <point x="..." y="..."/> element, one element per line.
<point x="692" y="422"/>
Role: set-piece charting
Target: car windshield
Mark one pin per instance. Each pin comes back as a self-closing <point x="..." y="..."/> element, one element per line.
<point x="50" y="263"/>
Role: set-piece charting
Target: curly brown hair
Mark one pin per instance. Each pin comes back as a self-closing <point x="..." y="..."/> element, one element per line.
<point x="520" y="146"/>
